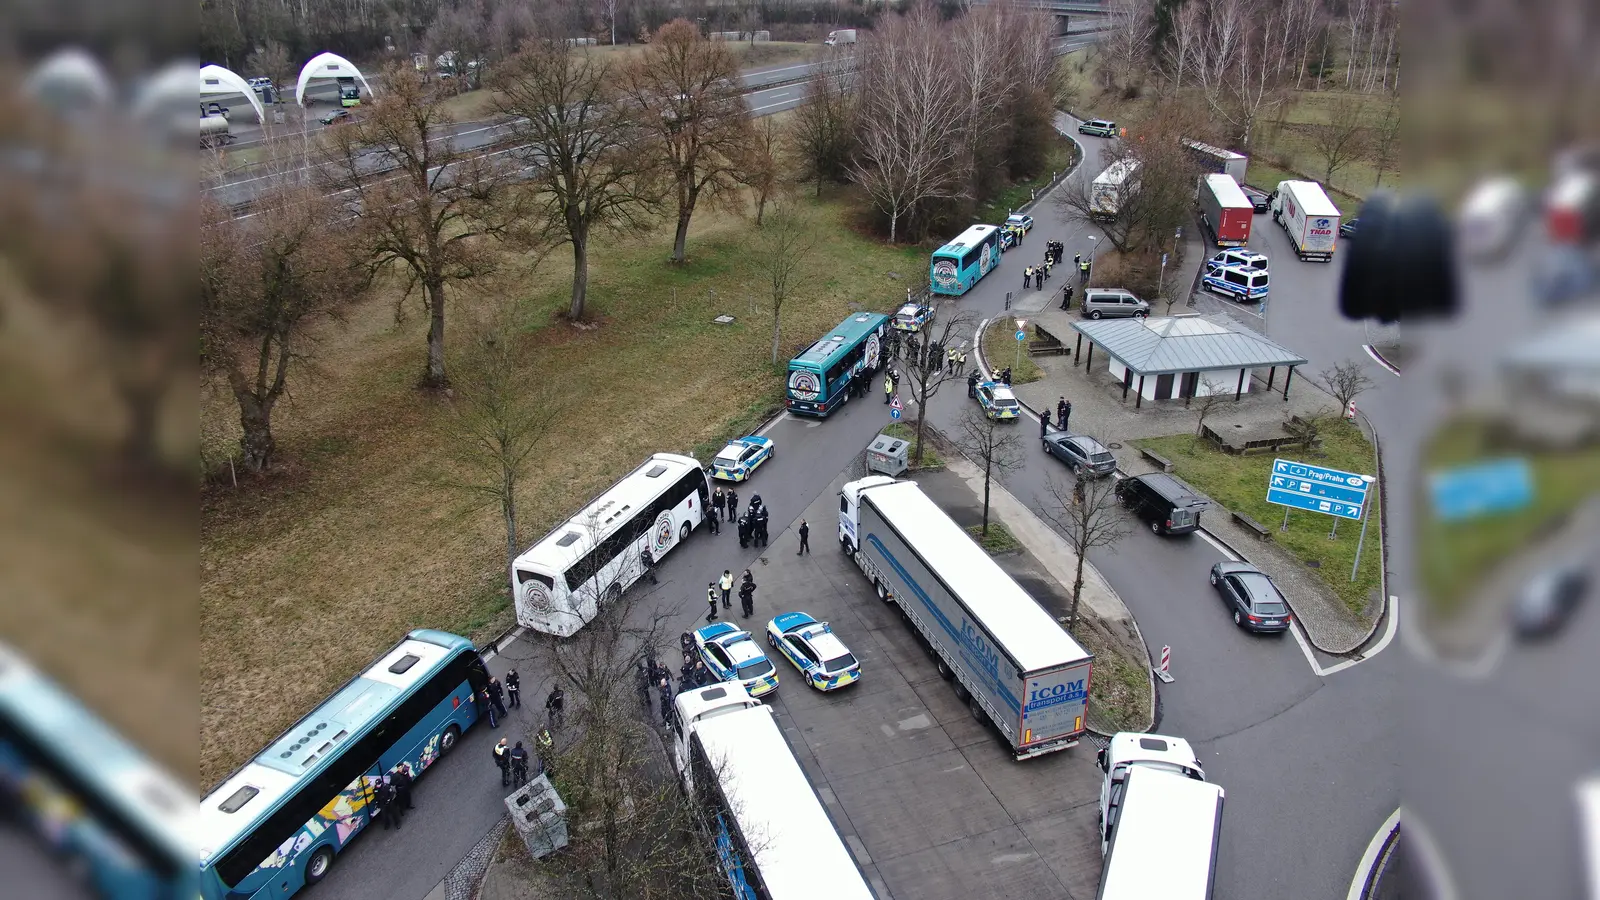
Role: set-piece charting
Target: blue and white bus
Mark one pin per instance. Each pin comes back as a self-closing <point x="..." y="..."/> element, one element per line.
<point x="773" y="837"/>
<point x="958" y="265"/>
<point x="121" y="824"/>
<point x="819" y="378"/>
<point x="276" y="825"/>
<point x="593" y="557"/>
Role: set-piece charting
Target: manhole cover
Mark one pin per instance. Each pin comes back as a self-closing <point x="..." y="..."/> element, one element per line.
<point x="1313" y="563"/>
<point x="1113" y="446"/>
<point x="723" y="320"/>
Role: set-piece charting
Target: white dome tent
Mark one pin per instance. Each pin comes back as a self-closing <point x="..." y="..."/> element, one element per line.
<point x="328" y="65"/>
<point x="216" y="81"/>
<point x="69" y="78"/>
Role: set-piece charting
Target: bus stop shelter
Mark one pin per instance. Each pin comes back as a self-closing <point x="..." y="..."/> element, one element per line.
<point x="1176" y="357"/>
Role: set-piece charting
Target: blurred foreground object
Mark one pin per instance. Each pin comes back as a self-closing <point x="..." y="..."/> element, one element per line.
<point x="116" y="821"/>
<point x="1403" y="264"/>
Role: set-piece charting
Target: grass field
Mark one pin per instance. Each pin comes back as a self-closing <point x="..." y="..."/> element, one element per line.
<point x="306" y="578"/>
<point x="1000" y="350"/>
<point x="1456" y="556"/>
<point x="1239" y="483"/>
<point x="1063" y="153"/>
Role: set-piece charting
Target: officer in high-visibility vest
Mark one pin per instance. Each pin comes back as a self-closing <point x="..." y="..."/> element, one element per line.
<point x="888" y="388"/>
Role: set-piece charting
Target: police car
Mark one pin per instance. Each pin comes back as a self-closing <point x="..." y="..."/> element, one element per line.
<point x="1009" y="237"/>
<point x="1020" y="222"/>
<point x="739" y="459"/>
<point x="912" y="317"/>
<point x="814" y="649"/>
<point x="1237" y="273"/>
<point x="733" y="655"/>
<point x="997" y="400"/>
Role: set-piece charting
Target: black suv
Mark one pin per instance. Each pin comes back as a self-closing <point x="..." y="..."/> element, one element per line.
<point x="1169" y="505"/>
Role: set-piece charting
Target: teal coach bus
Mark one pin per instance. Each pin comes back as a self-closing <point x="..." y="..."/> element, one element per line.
<point x="958" y="265"/>
<point x="277" y="824"/>
<point x="819" y="378"/>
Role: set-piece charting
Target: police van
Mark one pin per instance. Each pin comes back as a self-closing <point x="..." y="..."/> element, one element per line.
<point x="1241" y="274"/>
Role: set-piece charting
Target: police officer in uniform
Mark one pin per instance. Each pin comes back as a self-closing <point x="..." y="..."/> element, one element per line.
<point x="972" y="383"/>
<point x="761" y="525"/>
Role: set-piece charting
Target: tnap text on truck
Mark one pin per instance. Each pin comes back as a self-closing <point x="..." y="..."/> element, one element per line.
<point x="1009" y="659"/>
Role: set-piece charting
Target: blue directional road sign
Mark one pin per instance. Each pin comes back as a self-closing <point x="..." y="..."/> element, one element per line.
<point x="1314" y="488"/>
<point x="894" y="414"/>
<point x="1467" y="492"/>
<point x="1021" y="335"/>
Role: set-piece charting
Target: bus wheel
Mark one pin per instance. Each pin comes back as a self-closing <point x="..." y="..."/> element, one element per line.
<point x="319" y="864"/>
<point x="448" y="739"/>
<point x="683" y="533"/>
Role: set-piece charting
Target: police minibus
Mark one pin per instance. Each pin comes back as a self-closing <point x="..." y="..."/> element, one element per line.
<point x="1237" y="280"/>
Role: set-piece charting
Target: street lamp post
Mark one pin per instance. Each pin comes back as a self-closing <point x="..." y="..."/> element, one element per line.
<point x="1094" y="250"/>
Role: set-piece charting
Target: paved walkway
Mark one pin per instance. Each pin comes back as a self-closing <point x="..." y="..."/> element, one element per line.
<point x="1099" y="409"/>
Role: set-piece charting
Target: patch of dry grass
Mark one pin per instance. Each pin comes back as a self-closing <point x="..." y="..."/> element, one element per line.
<point x="306" y="578"/>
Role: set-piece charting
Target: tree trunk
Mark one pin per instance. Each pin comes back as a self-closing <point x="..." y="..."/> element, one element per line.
<point x="987" y="466"/>
<point x="685" y="211"/>
<point x="434" y="377"/>
<point x="1077" y="591"/>
<point x="508" y="508"/>
<point x="894" y="220"/>
<point x="761" y="207"/>
<point x="256" y="443"/>
<point x="777" y="330"/>
<point x="580" y="275"/>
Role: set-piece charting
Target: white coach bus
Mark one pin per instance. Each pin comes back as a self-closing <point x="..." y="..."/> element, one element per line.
<point x="595" y="555"/>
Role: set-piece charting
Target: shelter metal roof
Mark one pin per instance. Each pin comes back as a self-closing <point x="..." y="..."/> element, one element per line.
<point x="1172" y="344"/>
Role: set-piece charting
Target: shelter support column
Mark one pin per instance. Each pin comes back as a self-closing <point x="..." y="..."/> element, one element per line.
<point x="1238" y="391"/>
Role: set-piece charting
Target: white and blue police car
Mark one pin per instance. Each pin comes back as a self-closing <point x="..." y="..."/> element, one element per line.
<point x="739" y="459"/>
<point x="997" y="401"/>
<point x="733" y="655"/>
<point x="814" y="649"/>
<point x="911" y="317"/>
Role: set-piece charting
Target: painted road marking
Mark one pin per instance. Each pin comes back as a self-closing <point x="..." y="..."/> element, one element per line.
<point x="1390" y="367"/>
<point x="1358" y="884"/>
<point x="1472" y="670"/>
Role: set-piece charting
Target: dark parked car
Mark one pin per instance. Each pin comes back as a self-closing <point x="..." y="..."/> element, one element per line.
<point x="1087" y="457"/>
<point x="1259" y="200"/>
<point x="1349" y="227"/>
<point x="337" y="117"/>
<point x="1549" y="600"/>
<point x="1169" y="505"/>
<point x="1251" y="596"/>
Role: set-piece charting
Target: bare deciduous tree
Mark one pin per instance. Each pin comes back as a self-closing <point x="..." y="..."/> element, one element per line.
<point x="686" y="91"/>
<point x="272" y="60"/>
<point x="590" y="171"/>
<point x="994" y="447"/>
<point x="1307" y="430"/>
<point x="825" y="124"/>
<point x="1088" y="518"/>
<point x="909" y="94"/>
<point x="496" y="424"/>
<point x="1188" y="30"/>
<point x="1345" y="381"/>
<point x="761" y="166"/>
<point x="262" y="280"/>
<point x="949" y="328"/>
<point x="1384" y="148"/>
<point x="419" y="200"/>
<point x="978" y="39"/>
<point x="1207" y="403"/>
<point x="1158" y="197"/>
<point x="1124" y="46"/>
<point x="1343" y="138"/>
<point x="782" y="247"/>
<point x="1236" y="71"/>
<point x="462" y="34"/>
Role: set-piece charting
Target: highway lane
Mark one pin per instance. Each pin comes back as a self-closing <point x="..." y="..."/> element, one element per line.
<point x="1255" y="709"/>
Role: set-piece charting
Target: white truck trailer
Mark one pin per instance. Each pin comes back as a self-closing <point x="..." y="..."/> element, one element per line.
<point x="1109" y="188"/>
<point x="1308" y="216"/>
<point x="1010" y="661"/>
<point x="1216" y="159"/>
<point x="1159" y="820"/>
<point x="842" y="36"/>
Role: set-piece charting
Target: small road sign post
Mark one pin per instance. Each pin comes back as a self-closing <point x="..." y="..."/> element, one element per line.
<point x="1365" y="517"/>
<point x="1166" y="663"/>
<point x="1021" y="336"/>
<point x="894" y="414"/>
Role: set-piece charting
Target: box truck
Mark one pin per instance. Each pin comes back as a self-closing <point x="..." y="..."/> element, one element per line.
<point x="1308" y="216"/>
<point x="1225" y="211"/>
<point x="1216" y="159"/>
<point x="1010" y="661"/>
<point x="1572" y="208"/>
<point x="1159" y="820"/>
<point x="843" y="36"/>
<point x="1108" y="189"/>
